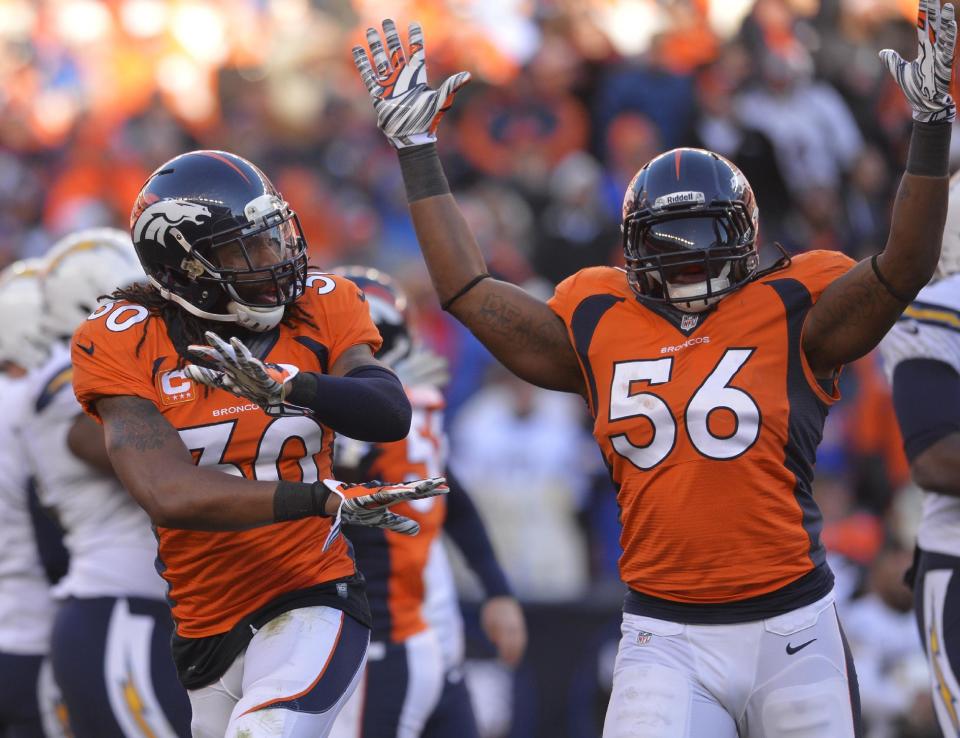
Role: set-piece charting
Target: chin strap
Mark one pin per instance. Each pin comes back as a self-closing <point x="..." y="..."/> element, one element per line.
<point x="254" y="319"/>
<point x="258" y="320"/>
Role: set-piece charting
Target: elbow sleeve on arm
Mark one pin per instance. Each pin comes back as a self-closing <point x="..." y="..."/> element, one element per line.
<point x="465" y="527"/>
<point x="926" y="397"/>
<point x="368" y="404"/>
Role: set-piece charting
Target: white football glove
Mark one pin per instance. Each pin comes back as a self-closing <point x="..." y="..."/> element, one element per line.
<point x="371" y="509"/>
<point x="408" y="111"/>
<point x="240" y="372"/>
<point x="926" y="80"/>
<point x="422" y="366"/>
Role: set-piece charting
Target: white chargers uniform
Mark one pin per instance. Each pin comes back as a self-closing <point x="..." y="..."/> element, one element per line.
<point x="109" y="537"/>
<point x="931" y="338"/>
<point x="27" y="697"/>
<point x="26" y="608"/>
<point x="113" y="597"/>
<point x="930" y="329"/>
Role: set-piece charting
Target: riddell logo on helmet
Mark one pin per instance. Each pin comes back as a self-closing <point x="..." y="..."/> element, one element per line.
<point x="679" y="198"/>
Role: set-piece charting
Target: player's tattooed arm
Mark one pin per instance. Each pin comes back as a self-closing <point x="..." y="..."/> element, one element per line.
<point x="857" y="310"/>
<point x="156" y="468"/>
<point x="521" y="331"/>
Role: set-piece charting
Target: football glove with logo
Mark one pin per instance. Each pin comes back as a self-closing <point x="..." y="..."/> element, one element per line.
<point x="367" y="504"/>
<point x="926" y="80"/>
<point x="408" y="111"/>
<point x="240" y="372"/>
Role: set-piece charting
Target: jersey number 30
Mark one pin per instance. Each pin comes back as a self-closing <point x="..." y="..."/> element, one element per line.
<point x="715" y="393"/>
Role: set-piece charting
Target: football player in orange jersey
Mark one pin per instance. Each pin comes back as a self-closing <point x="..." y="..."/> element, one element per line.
<point x="414" y="671"/>
<point x="272" y="624"/>
<point x="709" y="379"/>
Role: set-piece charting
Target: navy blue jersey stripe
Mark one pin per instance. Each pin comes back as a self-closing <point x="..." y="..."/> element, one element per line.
<point x="807" y="414"/>
<point x="319" y="350"/>
<point x="583" y="325"/>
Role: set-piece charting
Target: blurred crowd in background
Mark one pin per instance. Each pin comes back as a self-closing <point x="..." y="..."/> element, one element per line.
<point x="569" y="98"/>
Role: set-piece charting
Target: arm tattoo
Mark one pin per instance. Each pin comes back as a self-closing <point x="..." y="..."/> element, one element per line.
<point x="505" y="319"/>
<point x="136" y="423"/>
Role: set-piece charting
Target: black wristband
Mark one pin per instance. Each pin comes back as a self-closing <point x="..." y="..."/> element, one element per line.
<point x="883" y="280"/>
<point x="422" y="172"/>
<point x="930" y="149"/>
<point x="464" y="290"/>
<point x="303" y="388"/>
<point x="297" y="500"/>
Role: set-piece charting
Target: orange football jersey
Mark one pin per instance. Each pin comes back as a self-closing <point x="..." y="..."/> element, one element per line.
<point x="393" y="564"/>
<point x="709" y="425"/>
<point x="215" y="578"/>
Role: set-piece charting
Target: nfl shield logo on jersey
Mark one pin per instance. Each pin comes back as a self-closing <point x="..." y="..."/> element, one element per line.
<point x="689" y="322"/>
<point x="643" y="637"/>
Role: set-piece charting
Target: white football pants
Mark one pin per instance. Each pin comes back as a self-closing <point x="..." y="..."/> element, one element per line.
<point x="787" y="676"/>
<point x="295" y="675"/>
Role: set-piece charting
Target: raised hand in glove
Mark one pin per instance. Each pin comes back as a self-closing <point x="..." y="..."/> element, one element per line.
<point x="926" y="80"/>
<point x="367" y="504"/>
<point x="408" y="111"/>
<point x="237" y="370"/>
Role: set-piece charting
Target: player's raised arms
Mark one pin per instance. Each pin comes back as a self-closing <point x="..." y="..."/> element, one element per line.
<point x="524" y="333"/>
<point x="520" y="330"/>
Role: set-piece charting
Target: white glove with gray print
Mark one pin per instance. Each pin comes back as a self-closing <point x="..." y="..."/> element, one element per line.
<point x="408" y="112"/>
<point x="926" y="80"/>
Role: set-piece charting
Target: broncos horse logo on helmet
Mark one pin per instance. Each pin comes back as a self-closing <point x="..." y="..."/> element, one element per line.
<point x="158" y="219"/>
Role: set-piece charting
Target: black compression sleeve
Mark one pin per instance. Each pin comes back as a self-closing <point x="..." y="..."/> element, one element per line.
<point x="466" y="529"/>
<point x="368" y="404"/>
<point x="926" y="397"/>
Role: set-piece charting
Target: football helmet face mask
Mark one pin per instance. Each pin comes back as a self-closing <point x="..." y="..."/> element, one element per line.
<point x="23" y="342"/>
<point x="214" y="236"/>
<point x="690" y="225"/>
<point x="80" y="268"/>
<point x="388" y="310"/>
